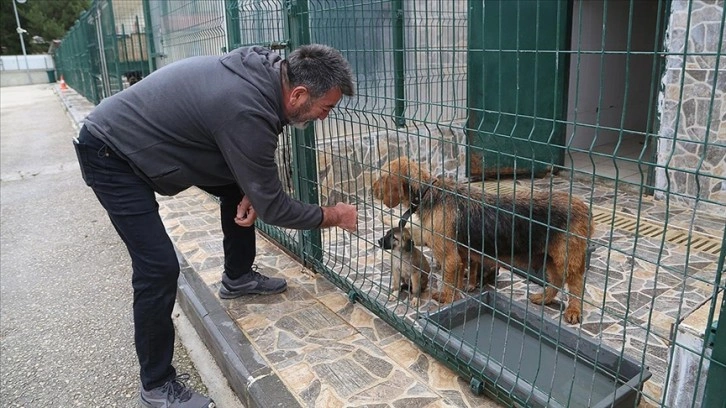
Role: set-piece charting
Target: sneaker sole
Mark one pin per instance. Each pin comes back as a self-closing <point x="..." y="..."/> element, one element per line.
<point x="147" y="404"/>
<point x="226" y="294"/>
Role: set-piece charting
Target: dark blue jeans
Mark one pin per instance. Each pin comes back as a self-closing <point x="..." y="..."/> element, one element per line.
<point x="133" y="210"/>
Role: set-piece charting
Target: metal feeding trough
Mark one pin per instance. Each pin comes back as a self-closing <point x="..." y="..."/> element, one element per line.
<point x="532" y="356"/>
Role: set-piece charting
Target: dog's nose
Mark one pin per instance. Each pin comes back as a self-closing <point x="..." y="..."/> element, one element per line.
<point x="380" y="242"/>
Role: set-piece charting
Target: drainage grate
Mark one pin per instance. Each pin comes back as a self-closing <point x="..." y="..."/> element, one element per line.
<point x="492" y="187"/>
<point x="698" y="242"/>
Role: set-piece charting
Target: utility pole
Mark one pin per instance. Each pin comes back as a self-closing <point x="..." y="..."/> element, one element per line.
<point x="22" y="40"/>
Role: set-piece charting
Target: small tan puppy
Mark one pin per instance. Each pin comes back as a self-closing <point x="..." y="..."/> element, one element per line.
<point x="407" y="263"/>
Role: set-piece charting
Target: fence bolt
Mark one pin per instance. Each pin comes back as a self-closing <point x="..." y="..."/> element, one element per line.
<point x="476" y="386"/>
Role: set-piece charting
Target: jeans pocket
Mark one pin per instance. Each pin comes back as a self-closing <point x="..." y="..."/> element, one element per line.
<point x="81" y="154"/>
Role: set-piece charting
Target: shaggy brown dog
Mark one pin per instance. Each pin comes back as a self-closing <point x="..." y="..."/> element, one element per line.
<point x="460" y="222"/>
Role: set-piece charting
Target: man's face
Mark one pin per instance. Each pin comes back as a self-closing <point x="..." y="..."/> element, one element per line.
<point x="311" y="109"/>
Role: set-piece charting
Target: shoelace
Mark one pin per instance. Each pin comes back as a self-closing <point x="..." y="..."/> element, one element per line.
<point x="259" y="276"/>
<point x="256" y="274"/>
<point x="176" y="389"/>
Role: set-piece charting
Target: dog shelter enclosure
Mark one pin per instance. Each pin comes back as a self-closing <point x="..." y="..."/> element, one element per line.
<point x="621" y="104"/>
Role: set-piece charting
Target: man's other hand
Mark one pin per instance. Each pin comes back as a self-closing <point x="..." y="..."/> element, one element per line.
<point x="246" y="214"/>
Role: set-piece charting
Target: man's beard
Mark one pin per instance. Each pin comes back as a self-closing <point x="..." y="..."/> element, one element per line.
<point x="298" y="118"/>
<point x="300" y="125"/>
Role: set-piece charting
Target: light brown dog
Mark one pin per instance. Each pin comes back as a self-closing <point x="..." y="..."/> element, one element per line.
<point x="408" y="263"/>
<point x="463" y="223"/>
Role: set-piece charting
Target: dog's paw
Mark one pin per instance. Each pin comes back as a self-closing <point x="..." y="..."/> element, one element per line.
<point x="414" y="301"/>
<point x="444" y="296"/>
<point x="394" y="296"/>
<point x="471" y="287"/>
<point x="573" y="315"/>
<point x="539" y="299"/>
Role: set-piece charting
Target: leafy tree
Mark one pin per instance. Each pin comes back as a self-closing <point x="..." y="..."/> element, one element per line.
<point x="45" y="20"/>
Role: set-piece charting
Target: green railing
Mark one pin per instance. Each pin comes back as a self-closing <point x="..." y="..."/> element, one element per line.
<point x="618" y="103"/>
<point x="106" y="50"/>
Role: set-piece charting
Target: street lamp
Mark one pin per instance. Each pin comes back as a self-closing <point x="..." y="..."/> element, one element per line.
<point x="20" y="32"/>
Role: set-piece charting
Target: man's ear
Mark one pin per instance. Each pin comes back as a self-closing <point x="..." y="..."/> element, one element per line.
<point x="299" y="95"/>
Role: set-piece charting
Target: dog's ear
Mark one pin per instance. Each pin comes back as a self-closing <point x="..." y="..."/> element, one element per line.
<point x="409" y="245"/>
<point x="388" y="189"/>
<point x="410" y="171"/>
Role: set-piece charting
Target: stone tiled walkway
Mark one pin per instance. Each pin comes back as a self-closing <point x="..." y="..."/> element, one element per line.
<point x="328" y="351"/>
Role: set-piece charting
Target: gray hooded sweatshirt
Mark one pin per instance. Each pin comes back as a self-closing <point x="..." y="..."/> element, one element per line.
<point x="207" y="121"/>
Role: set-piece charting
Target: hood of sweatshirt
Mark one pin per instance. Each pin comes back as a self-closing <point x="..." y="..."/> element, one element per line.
<point x="261" y="67"/>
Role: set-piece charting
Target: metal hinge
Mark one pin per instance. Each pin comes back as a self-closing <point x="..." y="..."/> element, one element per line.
<point x="278" y="45"/>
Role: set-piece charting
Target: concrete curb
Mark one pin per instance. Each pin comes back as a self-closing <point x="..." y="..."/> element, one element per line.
<point x="257" y="385"/>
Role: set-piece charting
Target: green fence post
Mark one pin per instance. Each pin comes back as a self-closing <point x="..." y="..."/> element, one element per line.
<point x="715" y="393"/>
<point x="475" y="87"/>
<point x="143" y="55"/>
<point x="399" y="63"/>
<point x="113" y="36"/>
<point x="149" y="31"/>
<point x="305" y="170"/>
<point x="234" y="36"/>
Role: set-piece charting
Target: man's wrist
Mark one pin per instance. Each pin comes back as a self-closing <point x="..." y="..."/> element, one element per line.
<point x="330" y="217"/>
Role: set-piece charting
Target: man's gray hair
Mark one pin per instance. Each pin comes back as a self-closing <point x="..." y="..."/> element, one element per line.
<point x="319" y="68"/>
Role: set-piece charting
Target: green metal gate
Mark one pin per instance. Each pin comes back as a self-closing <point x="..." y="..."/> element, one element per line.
<point x="106" y="50"/>
<point x="517" y="88"/>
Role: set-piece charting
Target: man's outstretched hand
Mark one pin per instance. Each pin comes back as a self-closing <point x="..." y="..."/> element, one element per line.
<point x="341" y="215"/>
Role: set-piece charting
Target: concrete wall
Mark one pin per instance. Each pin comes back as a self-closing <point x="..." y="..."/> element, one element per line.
<point x="18" y="78"/>
<point x="610" y="90"/>
<point x="17" y="70"/>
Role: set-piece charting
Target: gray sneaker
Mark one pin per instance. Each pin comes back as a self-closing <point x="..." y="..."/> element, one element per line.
<point x="175" y="394"/>
<point x="251" y="283"/>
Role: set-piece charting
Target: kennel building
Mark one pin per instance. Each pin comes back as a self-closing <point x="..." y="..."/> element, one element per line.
<point x="621" y="104"/>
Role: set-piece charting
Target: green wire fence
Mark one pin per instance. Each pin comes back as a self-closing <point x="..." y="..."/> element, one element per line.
<point x="621" y="104"/>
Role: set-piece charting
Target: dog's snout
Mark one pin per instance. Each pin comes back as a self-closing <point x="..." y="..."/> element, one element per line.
<point x="385" y="242"/>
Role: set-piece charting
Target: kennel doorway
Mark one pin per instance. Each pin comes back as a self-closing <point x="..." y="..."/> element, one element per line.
<point x="565" y="86"/>
<point x="614" y="80"/>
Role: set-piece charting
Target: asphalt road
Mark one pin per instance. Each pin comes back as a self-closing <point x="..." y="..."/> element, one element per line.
<point x="66" y="333"/>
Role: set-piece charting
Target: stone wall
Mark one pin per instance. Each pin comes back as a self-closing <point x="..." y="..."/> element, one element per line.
<point x="692" y="137"/>
<point x="348" y="166"/>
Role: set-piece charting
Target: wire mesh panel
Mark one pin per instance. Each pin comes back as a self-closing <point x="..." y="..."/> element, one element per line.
<point x="257" y="22"/>
<point x="187" y="28"/>
<point x="264" y="22"/>
<point x="575" y="149"/>
<point x="107" y="50"/>
<point x="77" y="59"/>
<point x="131" y="56"/>
<point x="650" y="264"/>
